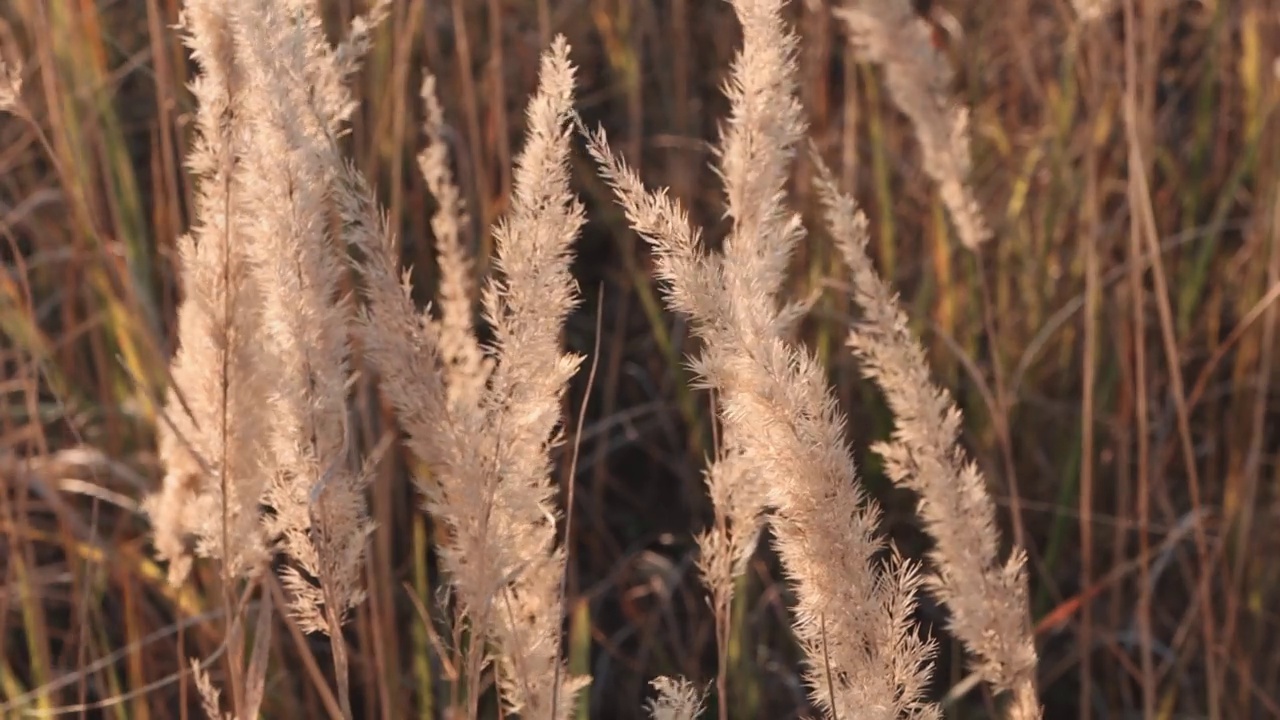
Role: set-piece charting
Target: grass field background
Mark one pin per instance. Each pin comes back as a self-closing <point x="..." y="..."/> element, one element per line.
<point x="1113" y="347"/>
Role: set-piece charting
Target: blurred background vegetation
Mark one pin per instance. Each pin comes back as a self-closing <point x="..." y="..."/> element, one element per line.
<point x="1114" y="348"/>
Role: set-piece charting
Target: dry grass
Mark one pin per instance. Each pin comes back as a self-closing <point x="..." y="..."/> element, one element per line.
<point x="248" y="466"/>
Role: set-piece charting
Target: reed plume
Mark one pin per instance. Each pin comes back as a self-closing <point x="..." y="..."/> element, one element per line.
<point x="264" y="319"/>
<point x="211" y="436"/>
<point x="10" y="84"/>
<point x="987" y="597"/>
<point x="315" y="487"/>
<point x="466" y="366"/>
<point x="259" y="449"/>
<point x="677" y="699"/>
<point x="489" y="456"/>
<point x="891" y="34"/>
<point x="854" y="613"/>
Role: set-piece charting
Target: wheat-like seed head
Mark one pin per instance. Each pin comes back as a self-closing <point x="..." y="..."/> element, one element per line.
<point x="987" y="597"/>
<point x="784" y="434"/>
<point x="486" y="426"/>
<point x="891" y="34"/>
<point x="265" y="316"/>
<point x="10" y="84"/>
<point x="677" y="699"/>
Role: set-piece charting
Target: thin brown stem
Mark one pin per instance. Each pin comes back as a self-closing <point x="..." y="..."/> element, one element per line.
<point x="573" y="473"/>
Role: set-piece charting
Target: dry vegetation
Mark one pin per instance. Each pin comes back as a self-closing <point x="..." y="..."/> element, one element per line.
<point x="489" y="359"/>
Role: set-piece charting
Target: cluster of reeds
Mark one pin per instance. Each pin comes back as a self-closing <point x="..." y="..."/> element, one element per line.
<point x="263" y="472"/>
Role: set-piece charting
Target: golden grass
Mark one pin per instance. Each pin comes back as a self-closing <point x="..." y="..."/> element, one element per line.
<point x="1112" y="347"/>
